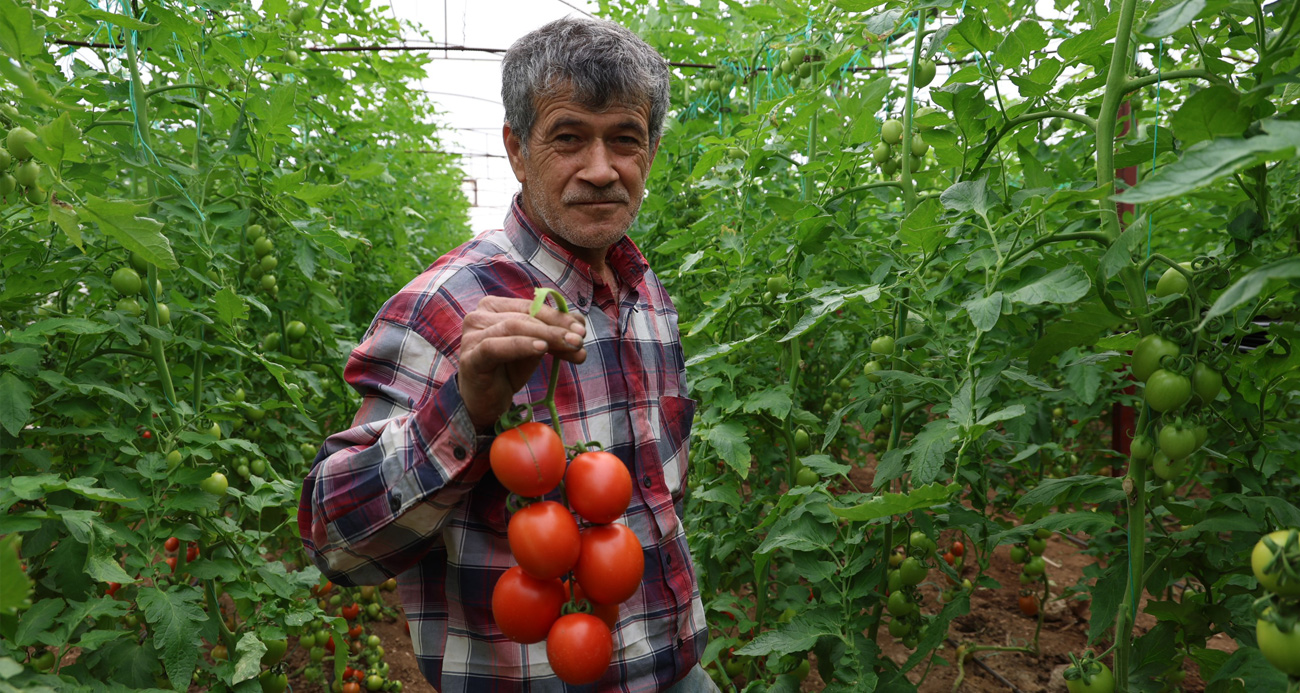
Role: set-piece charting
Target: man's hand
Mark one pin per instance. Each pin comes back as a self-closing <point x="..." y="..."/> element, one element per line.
<point x="501" y="346"/>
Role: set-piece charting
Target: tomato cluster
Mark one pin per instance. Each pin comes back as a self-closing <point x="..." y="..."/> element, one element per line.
<point x="1275" y="561"/>
<point x="530" y="601"/>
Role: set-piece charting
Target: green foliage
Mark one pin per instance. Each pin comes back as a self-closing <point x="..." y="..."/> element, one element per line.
<point x="160" y="150"/>
<point x="1012" y="284"/>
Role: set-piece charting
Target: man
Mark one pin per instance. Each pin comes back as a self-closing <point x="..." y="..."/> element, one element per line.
<point x="408" y="490"/>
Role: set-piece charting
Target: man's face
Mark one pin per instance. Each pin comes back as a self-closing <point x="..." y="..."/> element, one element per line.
<point x="584" y="176"/>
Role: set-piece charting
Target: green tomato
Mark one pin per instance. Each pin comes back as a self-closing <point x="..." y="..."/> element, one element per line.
<point x="17" y="142"/>
<point x="1042" y="533"/>
<point x="919" y="146"/>
<point x="35" y="196"/>
<point x="8" y="184"/>
<point x="1167" y="391"/>
<point x="263" y="247"/>
<point x="273" y="682"/>
<point x="895" y="581"/>
<point x="307" y="641"/>
<point x="268" y="263"/>
<point x="238" y="395"/>
<point x="164" y="314"/>
<point x="1149" y="353"/>
<point x="1206" y="383"/>
<point x="1019" y="554"/>
<point x="1202" y="434"/>
<point x="1036" y="546"/>
<point x="316" y="654"/>
<point x="921" y="543"/>
<point x="778" y="284"/>
<point x="807" y="477"/>
<point x="126" y="281"/>
<point x="5" y="159"/>
<point x="296" y="330"/>
<point x="900" y="604"/>
<point x="1172" y="282"/>
<point x="1177" y="441"/>
<point x="881" y="153"/>
<point x="257" y="466"/>
<point x="215" y="484"/>
<point x="1167" y="469"/>
<point x="882" y="346"/>
<point x="27" y="173"/>
<point x="307" y="450"/>
<point x="912" y="571"/>
<point x="924" y="73"/>
<point x="129" y="306"/>
<point x="43" y="661"/>
<point x="1035" y="567"/>
<point x="1100" y="680"/>
<point x="255" y="231"/>
<point x="268" y="282"/>
<point x="1278" y="580"/>
<point x="891" y="131"/>
<point x="275" y="650"/>
<point x="801" y="440"/>
<point x="1140" y="448"/>
<point x="871" y="370"/>
<point x="173" y="459"/>
<point x="900" y="628"/>
<point x="1282" y="650"/>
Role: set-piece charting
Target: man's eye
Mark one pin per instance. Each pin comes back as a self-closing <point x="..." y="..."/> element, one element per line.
<point x="567" y="138"/>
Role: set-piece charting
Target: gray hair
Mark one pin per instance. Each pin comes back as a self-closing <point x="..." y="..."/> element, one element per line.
<point x="604" y="64"/>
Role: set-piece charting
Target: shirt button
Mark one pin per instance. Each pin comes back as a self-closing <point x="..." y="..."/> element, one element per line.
<point x="669" y="559"/>
<point x="645" y="481"/>
<point x="582" y="301"/>
<point x="395" y="501"/>
<point x="459" y="452"/>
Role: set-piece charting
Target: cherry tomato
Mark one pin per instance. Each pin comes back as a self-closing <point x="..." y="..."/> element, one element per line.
<point x="1149" y="353"/>
<point x="219" y="653"/>
<point x="351" y="611"/>
<point x="524" y="607"/>
<point x="599" y="486"/>
<point x="171" y="563"/>
<point x="958" y="549"/>
<point x="351" y="687"/>
<point x="528" y="460"/>
<point x="171" y="545"/>
<point x="579" y="647"/>
<point x="1036" y="566"/>
<point x="355" y="632"/>
<point x="900" y="604"/>
<point x="1206" y="383"/>
<point x="1276" y="578"/>
<point x="912" y="571"/>
<point x="610" y="564"/>
<point x="191" y="553"/>
<point x="1167" y="390"/>
<point x="1029" y="605"/>
<point x="112" y="589"/>
<point x="273" y="682"/>
<point x="949" y="558"/>
<point x="544" y="539"/>
<point x="1177" y="441"/>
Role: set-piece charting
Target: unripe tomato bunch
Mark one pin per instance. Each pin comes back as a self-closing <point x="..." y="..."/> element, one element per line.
<point x="908" y="569"/>
<point x="604" y="562"/>
<point x="16" y="154"/>
<point x="1034" y="569"/>
<point x="1275" y="561"/>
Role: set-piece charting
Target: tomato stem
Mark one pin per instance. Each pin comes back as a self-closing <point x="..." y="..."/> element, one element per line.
<point x="539" y="299"/>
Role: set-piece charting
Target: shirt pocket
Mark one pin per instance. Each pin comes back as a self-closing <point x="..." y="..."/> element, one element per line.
<point x="675" y="416"/>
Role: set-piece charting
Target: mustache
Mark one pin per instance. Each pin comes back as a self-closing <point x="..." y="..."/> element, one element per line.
<point x="596" y="195"/>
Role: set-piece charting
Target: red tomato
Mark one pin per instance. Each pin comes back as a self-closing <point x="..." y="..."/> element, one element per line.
<point x="191" y="553"/>
<point x="958" y="549"/>
<point x="610" y="564"/>
<point x="171" y="562"/>
<point x="351" y="687"/>
<point x="146" y="435"/>
<point x="329" y="645"/>
<point x="605" y="612"/>
<point x="351" y="611"/>
<point x="113" y="587"/>
<point x="599" y="486"/>
<point x="528" y="460"/>
<point x="544" y="540"/>
<point x="172" y="544"/>
<point x="524" y="607"/>
<point x="949" y="558"/>
<point x="354" y="632"/>
<point x="579" y="648"/>
<point x="348" y="672"/>
<point x="1028" y="605"/>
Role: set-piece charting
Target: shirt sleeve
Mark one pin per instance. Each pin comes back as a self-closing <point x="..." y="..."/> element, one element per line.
<point x="380" y="492"/>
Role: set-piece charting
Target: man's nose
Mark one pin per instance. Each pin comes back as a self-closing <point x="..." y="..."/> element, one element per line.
<point x="598" y="167"/>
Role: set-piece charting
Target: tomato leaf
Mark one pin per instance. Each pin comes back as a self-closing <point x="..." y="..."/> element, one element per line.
<point x="1250" y="286"/>
<point x="175" y="616"/>
<point x="1172" y="18"/>
<point x="886" y="504"/>
<point x="731" y="440"/>
<point x="15" y="403"/>
<point x="122" y="220"/>
<point x="799" y="635"/>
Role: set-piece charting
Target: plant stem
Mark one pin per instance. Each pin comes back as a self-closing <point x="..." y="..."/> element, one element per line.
<point x="1116" y="82"/>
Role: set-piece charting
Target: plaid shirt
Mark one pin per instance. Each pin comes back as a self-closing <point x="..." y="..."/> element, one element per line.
<point x="408" y="490"/>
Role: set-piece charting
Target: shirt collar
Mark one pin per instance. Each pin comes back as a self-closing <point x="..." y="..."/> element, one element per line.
<point x="572" y="274"/>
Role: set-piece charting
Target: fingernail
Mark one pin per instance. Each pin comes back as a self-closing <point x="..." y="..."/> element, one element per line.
<point x="539" y="345"/>
<point x="574" y="339"/>
<point x="579" y="328"/>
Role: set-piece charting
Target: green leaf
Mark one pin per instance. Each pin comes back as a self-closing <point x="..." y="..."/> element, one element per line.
<point x="37" y="620"/>
<point x="248" y="656"/>
<point x="1040" y="81"/>
<point x="230" y="307"/>
<point x="1251" y="286"/>
<point x="15" y="586"/>
<point x="1089" y="45"/>
<point x="825" y="466"/>
<point x="828" y="301"/>
<point x="922" y="229"/>
<point x="798" y="531"/>
<point x="1106" y="597"/>
<point x="722" y="492"/>
<point x="887" y="504"/>
<point x="1065" y="285"/>
<point x="120" y="20"/>
<point x="1173" y="18"/>
<point x="976" y="33"/>
<point x="15" y="403"/>
<point x="66" y="217"/>
<point x="889" y="466"/>
<point x="58" y="141"/>
<point x="1006" y="414"/>
<point x="928" y="449"/>
<point x="799" y="635"/>
<point x="1120" y="254"/>
<point x="984" y="311"/>
<point x="174" y="617"/>
<point x="969" y="196"/>
<point x="731" y="440"/>
<point x="1214" y="160"/>
<point x="19" y="37"/>
<point x="775" y="401"/>
<point x="122" y="220"/>
<point x="1209" y="113"/>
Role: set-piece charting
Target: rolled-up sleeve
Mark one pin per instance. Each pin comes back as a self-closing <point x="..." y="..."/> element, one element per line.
<point x="380" y="492"/>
